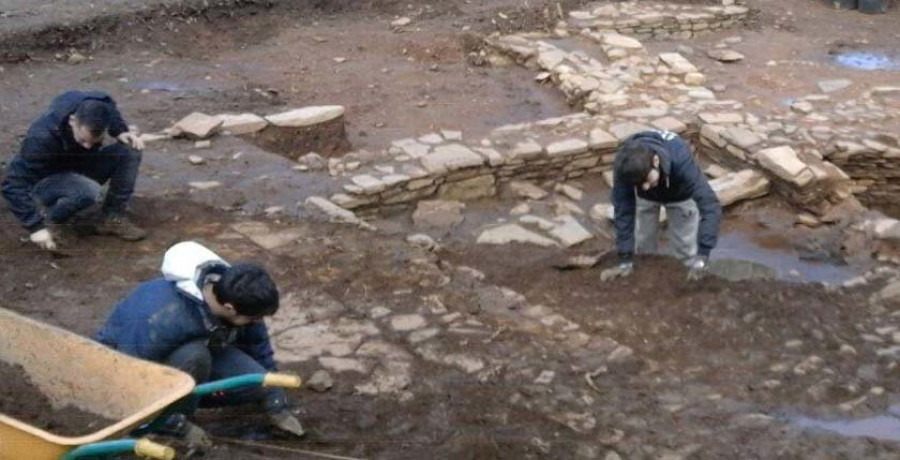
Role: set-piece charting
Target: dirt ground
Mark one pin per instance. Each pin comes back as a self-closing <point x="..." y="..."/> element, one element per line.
<point x="716" y="369"/>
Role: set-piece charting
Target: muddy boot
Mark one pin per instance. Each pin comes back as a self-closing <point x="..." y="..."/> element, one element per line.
<point x="178" y="426"/>
<point x="120" y="226"/>
<point x="285" y="421"/>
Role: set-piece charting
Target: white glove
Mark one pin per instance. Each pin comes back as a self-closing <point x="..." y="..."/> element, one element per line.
<point x="44" y="239"/>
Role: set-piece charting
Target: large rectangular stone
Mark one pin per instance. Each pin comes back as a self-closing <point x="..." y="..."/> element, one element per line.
<point x="741" y="137"/>
<point x="450" y="158"/>
<point x="739" y="186"/>
<point x="784" y="163"/>
<point x="719" y="118"/>
<point x="567" y="147"/>
<point x="525" y="150"/>
<point x="600" y="139"/>
<point x="469" y="189"/>
<point x="626" y="129"/>
<point x="678" y="65"/>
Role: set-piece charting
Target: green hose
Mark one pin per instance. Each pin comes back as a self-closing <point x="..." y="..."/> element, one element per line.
<point x="102" y="448"/>
<point x="233" y="383"/>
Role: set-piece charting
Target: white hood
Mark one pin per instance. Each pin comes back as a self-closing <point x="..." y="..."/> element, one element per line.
<point x="182" y="264"/>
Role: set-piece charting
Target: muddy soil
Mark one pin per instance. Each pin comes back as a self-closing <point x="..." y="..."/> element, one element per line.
<point x="20" y="399"/>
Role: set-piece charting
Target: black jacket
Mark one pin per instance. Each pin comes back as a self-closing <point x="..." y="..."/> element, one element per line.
<point x="50" y="148"/>
<point x="680" y="179"/>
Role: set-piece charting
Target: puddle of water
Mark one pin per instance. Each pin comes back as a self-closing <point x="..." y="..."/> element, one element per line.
<point x="885" y="427"/>
<point x="781" y="258"/>
<point x="866" y="60"/>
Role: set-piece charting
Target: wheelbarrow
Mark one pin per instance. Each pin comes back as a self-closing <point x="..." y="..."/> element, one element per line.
<point x="72" y="370"/>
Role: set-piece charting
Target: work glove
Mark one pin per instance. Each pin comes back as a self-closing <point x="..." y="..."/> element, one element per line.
<point x="620" y="271"/>
<point x="696" y="267"/>
<point x="44" y="239"/>
<point x="287" y="422"/>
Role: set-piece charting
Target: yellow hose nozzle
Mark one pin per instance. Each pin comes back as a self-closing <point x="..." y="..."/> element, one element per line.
<point x="146" y="448"/>
<point x="282" y="380"/>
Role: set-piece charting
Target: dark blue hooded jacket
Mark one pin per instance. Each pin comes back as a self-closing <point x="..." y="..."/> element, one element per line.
<point x="49" y="148"/>
<point x="680" y="179"/>
<point x="164" y="314"/>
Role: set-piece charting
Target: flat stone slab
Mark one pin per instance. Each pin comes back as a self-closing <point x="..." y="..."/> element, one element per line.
<point x="438" y="214"/>
<point x="197" y="125"/>
<point x="567" y="147"/>
<point x="405" y="323"/>
<point x="626" y="129"/>
<point x="621" y="41"/>
<point x="335" y="364"/>
<point x="528" y="190"/>
<point x="725" y="55"/>
<point x="738" y="186"/>
<point x="678" y="65"/>
<point x="600" y="139"/>
<point x="719" y="118"/>
<point x="412" y="147"/>
<point x="307" y="116"/>
<point x="741" y="137"/>
<point x="570" y="232"/>
<point x="830" y="86"/>
<point x="451" y="157"/>
<point x="245" y="123"/>
<point x="513" y="233"/>
<point x="784" y="163"/>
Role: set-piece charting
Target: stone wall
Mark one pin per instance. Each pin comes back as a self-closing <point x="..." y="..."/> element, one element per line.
<point x="658" y="20"/>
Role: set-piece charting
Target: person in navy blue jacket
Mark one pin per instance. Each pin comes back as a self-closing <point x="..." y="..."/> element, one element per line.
<point x="204" y="317"/>
<point x="63" y="163"/>
<point x="655" y="169"/>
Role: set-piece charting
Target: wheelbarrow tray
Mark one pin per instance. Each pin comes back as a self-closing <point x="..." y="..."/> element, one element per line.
<point x="73" y="370"/>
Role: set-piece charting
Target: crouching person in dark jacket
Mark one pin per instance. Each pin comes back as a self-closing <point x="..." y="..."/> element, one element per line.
<point x="204" y="317"/>
<point x="653" y="170"/>
<point x="63" y="163"/>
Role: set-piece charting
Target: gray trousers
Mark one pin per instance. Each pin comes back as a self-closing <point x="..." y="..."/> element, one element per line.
<point x="684" y="223"/>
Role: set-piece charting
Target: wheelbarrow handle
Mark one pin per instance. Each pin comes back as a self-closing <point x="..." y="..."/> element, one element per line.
<point x="143" y="448"/>
<point x="248" y="380"/>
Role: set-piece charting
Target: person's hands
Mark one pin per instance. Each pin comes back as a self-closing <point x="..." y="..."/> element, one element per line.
<point x="620" y="271"/>
<point x="44" y="239"/>
<point x="128" y="138"/>
<point x="696" y="268"/>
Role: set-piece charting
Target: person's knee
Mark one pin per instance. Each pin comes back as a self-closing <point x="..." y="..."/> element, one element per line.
<point x="193" y="358"/>
<point x="122" y="152"/>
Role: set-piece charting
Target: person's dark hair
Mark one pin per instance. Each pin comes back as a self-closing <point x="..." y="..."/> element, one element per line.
<point x="95" y="115"/>
<point x="249" y="288"/>
<point x="637" y="163"/>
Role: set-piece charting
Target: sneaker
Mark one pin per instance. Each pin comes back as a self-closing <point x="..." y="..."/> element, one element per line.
<point x="120" y="226"/>
<point x="287" y="422"/>
<point x="178" y="426"/>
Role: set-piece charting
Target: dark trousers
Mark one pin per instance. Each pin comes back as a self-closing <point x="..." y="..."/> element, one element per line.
<point x="65" y="194"/>
<point x="204" y="365"/>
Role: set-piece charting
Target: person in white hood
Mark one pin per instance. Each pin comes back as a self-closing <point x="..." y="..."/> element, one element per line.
<point x="204" y="317"/>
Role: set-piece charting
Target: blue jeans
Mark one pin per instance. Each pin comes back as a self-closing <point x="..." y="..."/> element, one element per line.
<point x="67" y="193"/>
<point x="195" y="358"/>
